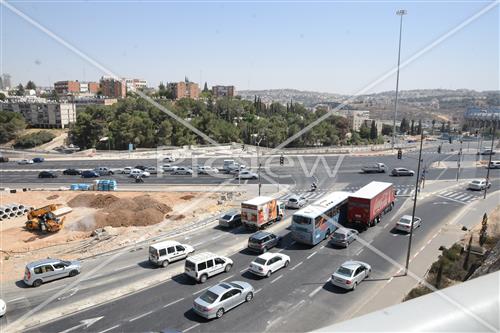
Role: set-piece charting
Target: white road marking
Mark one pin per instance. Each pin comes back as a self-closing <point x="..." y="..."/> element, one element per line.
<point x="310" y="256"/>
<point x="392" y="277"/>
<point x="448" y="198"/>
<point x="315" y="291"/>
<point x="140" y="316"/>
<point x="16" y="299"/>
<point x="198" y="244"/>
<point x="322" y="247"/>
<point x="109" y="329"/>
<point x="461" y="197"/>
<point x="359" y="252"/>
<point x="279" y="277"/>
<point x="218" y="236"/>
<point x="172" y="303"/>
<point x="190" y="328"/>
<point x="300" y="263"/>
<point x="202" y="290"/>
<point x="385" y="226"/>
<point x="244" y="270"/>
<point x="230" y="276"/>
<point x="258" y="290"/>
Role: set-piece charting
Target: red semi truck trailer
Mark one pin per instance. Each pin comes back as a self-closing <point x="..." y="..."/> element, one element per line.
<point x="369" y="203"/>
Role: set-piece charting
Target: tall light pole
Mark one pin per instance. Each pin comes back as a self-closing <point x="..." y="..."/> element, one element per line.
<point x="400" y="12"/>
<point x="493" y="132"/>
<point x="258" y="159"/>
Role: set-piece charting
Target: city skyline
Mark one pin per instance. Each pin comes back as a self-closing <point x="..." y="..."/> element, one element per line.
<point x="254" y="46"/>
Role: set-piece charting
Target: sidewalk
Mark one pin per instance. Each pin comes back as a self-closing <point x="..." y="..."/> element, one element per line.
<point x="397" y="287"/>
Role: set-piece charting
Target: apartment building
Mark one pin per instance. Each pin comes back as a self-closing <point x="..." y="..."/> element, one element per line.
<point x="43" y="114"/>
<point x="67" y="87"/>
<point x="223" y="91"/>
<point x="113" y="88"/>
<point x="184" y="89"/>
<point x="135" y="84"/>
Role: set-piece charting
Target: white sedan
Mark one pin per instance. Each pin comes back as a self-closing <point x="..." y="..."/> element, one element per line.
<point x="138" y="172"/>
<point x="152" y="170"/>
<point x="478" y="185"/>
<point x="268" y="263"/>
<point x="350" y="274"/>
<point x="126" y="170"/>
<point x="404" y="223"/>
<point x="207" y="170"/>
<point x="3" y="307"/>
<point x="245" y="174"/>
<point x="25" y="161"/>
<point x="169" y="167"/>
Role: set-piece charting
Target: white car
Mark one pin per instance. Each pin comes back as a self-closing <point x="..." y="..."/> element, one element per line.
<point x="152" y="170"/>
<point x="268" y="263"/>
<point x="478" y="185"/>
<point x="207" y="170"/>
<point x="169" y="159"/>
<point x="296" y="202"/>
<point x="404" y="223"/>
<point x="182" y="171"/>
<point x="126" y="170"/>
<point x="3" y="307"/>
<point x="350" y="274"/>
<point x="169" y="167"/>
<point x="25" y="161"/>
<point x="246" y="174"/>
<point x="138" y="172"/>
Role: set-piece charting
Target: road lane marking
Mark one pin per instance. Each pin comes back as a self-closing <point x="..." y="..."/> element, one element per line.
<point x="300" y="263"/>
<point x="109" y="329"/>
<point x="198" y="244"/>
<point x="244" y="270"/>
<point x="451" y="199"/>
<point x="140" y="316"/>
<point x="172" y="303"/>
<point x="230" y="276"/>
<point x="315" y="291"/>
<point x="322" y="247"/>
<point x="279" y="277"/>
<point x="359" y="252"/>
<point x="199" y="291"/>
<point x="310" y="256"/>
<point x="16" y="299"/>
<point x="258" y="290"/>
<point x="190" y="328"/>
<point x="218" y="236"/>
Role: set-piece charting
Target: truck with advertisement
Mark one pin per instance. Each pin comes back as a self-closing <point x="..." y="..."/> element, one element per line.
<point x="367" y="205"/>
<point x="259" y="212"/>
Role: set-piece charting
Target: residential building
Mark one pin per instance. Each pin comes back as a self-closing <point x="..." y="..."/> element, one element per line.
<point x="6" y="82"/>
<point x="356" y="118"/>
<point x="43" y="114"/>
<point x="113" y="88"/>
<point x="184" y="89"/>
<point x="223" y="91"/>
<point x="67" y="87"/>
<point x="135" y="84"/>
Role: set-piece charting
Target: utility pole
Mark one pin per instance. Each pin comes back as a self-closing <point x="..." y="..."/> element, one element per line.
<point x="401" y="13"/>
<point x="258" y="163"/>
<point x="493" y="130"/>
<point x="459" y="160"/>
<point x="414" y="204"/>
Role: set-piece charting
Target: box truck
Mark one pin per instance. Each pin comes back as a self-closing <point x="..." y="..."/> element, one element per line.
<point x="369" y="203"/>
<point x="261" y="211"/>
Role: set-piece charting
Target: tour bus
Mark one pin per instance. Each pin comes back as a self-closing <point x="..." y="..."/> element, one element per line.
<point x="316" y="222"/>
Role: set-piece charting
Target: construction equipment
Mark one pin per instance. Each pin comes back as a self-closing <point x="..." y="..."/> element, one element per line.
<point x="44" y="219"/>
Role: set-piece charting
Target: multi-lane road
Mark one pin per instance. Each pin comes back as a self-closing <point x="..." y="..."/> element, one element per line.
<point x="297" y="298"/>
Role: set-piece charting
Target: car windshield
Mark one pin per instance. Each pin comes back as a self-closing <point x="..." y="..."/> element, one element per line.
<point x="65" y="263"/>
<point x="338" y="236"/>
<point x="476" y="182"/>
<point x="301" y="219"/>
<point x="344" y="271"/>
<point x="292" y="200"/>
<point x="209" y="296"/>
<point x="226" y="217"/>
<point x="405" y="220"/>
<point x="235" y="285"/>
<point x="260" y="261"/>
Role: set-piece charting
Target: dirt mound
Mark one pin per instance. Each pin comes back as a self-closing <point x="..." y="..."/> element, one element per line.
<point x="93" y="200"/>
<point x="187" y="197"/>
<point x="52" y="197"/>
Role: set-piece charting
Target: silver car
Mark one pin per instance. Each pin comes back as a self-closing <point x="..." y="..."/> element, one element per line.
<point x="343" y="237"/>
<point x="402" y="172"/>
<point x="296" y="202"/>
<point x="350" y="274"/>
<point x="404" y="223"/>
<point x="221" y="298"/>
<point x="46" y="270"/>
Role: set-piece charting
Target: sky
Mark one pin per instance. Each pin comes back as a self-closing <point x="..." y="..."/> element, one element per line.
<point x="337" y="47"/>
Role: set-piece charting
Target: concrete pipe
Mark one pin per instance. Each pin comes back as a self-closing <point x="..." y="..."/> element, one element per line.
<point x="12" y="214"/>
<point x="20" y="212"/>
<point x="13" y="207"/>
<point x="5" y="216"/>
<point x="26" y="210"/>
<point x="20" y="206"/>
<point x="6" y="209"/>
<point x="2" y="211"/>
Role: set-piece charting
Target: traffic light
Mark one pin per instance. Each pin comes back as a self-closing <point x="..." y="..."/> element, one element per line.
<point x="243" y="146"/>
<point x="400" y="154"/>
<point x="449" y="139"/>
<point x="282" y="160"/>
<point x="439" y="149"/>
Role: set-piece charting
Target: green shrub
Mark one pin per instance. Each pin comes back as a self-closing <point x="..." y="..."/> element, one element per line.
<point x="11" y="123"/>
<point x="34" y="139"/>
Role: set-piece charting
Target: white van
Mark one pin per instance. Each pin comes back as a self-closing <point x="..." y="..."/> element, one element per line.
<point x="204" y="265"/>
<point x="163" y="253"/>
<point x="374" y="167"/>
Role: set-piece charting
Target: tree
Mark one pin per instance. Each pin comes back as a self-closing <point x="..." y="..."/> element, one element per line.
<point x="419" y="127"/>
<point x="30" y="85"/>
<point x="443" y="129"/>
<point x="386" y="129"/>
<point x="403" y="128"/>
<point x="412" y="127"/>
<point x="20" y="90"/>
<point x="433" y="123"/>
<point x="205" y="88"/>
<point x="2" y="97"/>
<point x="11" y="123"/>
<point x="373" y="131"/>
<point x="364" y="131"/>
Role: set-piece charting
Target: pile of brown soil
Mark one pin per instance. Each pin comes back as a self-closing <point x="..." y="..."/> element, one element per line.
<point x="92" y="200"/>
<point x="187" y="197"/>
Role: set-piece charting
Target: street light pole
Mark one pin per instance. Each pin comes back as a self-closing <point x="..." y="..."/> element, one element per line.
<point x="258" y="163"/>
<point x="400" y="12"/>
<point x="494" y="129"/>
<point x="414" y="204"/>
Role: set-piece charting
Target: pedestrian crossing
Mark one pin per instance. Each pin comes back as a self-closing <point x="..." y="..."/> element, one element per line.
<point x="401" y="190"/>
<point x="310" y="196"/>
<point x="458" y="196"/>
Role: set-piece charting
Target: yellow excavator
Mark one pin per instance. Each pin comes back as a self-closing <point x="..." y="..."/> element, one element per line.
<point x="44" y="220"/>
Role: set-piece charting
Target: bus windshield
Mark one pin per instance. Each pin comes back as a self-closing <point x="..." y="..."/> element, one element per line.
<point x="301" y="220"/>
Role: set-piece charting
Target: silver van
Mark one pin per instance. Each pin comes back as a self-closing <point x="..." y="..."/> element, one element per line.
<point x="46" y="270"/>
<point x="163" y="253"/>
<point x="103" y="171"/>
<point x="204" y="265"/>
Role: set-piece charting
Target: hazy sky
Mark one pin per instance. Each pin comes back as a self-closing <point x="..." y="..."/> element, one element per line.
<point x="324" y="46"/>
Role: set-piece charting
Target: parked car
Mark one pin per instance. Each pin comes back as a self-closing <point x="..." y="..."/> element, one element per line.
<point x="169" y="167"/>
<point x="140" y="167"/>
<point x="268" y="263"/>
<point x="230" y="219"/>
<point x="4" y="159"/>
<point x="72" y="172"/>
<point x="494" y="165"/>
<point x="221" y="298"/>
<point x="487" y="151"/>
<point x="47" y="174"/>
<point x="402" y="172"/>
<point x="126" y="170"/>
<point x="374" y="167"/>
<point x="262" y="241"/>
<point x="164" y="253"/>
<point x="343" y="237"/>
<point x="296" y="202"/>
<point x="207" y="170"/>
<point x="246" y="174"/>
<point x="182" y="171"/>
<point x="3" y="307"/>
<point x="46" y="270"/>
<point x="478" y="184"/>
<point x="139" y="172"/>
<point x="169" y="159"/>
<point x="89" y="174"/>
<point x="350" y="274"/>
<point x="404" y="223"/>
<point x="38" y="160"/>
<point x="152" y="170"/>
<point x="201" y="266"/>
<point x="25" y="161"/>
<point x="104" y="171"/>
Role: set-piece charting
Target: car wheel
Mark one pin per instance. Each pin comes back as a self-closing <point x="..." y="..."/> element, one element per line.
<point x="286" y="264"/>
<point x="37" y="283"/>
<point x="227" y="268"/>
<point x="73" y="273"/>
<point x="249" y="297"/>
<point x="164" y="264"/>
<point x="203" y="278"/>
<point x="268" y="273"/>
<point x="219" y="313"/>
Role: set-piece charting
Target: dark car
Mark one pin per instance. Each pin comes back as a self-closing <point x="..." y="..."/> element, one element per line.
<point x="140" y="167"/>
<point x="38" y="160"/>
<point x="47" y="174"/>
<point x="262" y="241"/>
<point x="3" y="159"/>
<point x="89" y="174"/>
<point x="72" y="172"/>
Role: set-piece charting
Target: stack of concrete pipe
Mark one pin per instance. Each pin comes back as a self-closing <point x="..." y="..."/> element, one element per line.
<point x="12" y="210"/>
